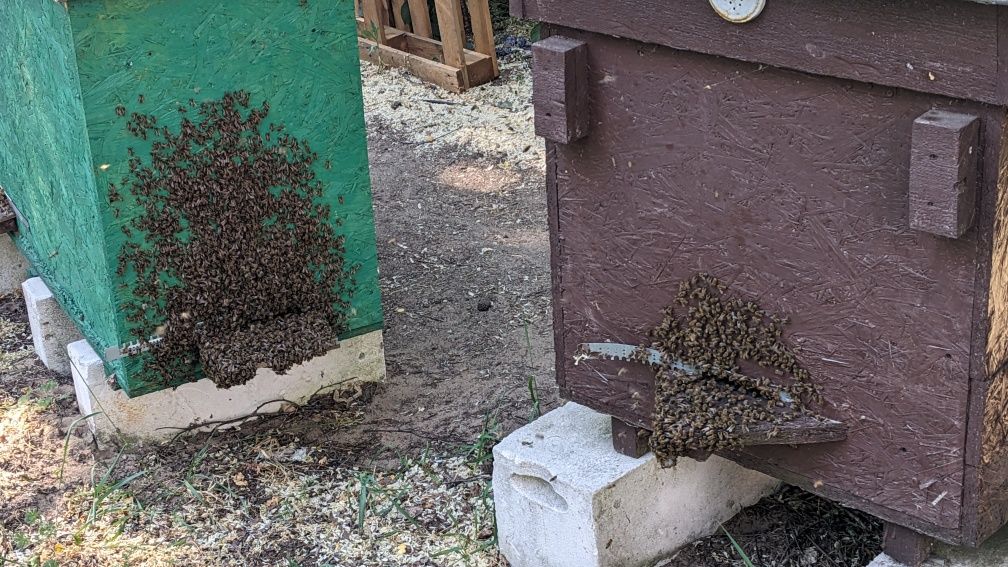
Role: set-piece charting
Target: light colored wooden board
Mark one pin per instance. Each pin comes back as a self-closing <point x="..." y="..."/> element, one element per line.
<point x="482" y="29"/>
<point x="420" y="17"/>
<point x="481" y="69"/>
<point x="373" y="21"/>
<point x="397" y="20"/>
<point x="445" y="76"/>
<point x="449" y="15"/>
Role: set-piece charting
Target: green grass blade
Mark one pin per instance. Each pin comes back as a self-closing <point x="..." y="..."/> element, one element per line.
<point x="362" y="502"/>
<point x="738" y="548"/>
<point x="66" y="441"/>
<point x="193" y="492"/>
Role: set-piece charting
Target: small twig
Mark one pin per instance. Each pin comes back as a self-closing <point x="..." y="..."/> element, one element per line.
<point x="459" y="481"/>
<point x="217" y="424"/>
<point x="431" y="317"/>
<point x="427" y="436"/>
<point x="405" y="143"/>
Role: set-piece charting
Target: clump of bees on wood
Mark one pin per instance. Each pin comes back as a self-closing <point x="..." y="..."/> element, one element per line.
<point x="726" y="341"/>
<point x="236" y="262"/>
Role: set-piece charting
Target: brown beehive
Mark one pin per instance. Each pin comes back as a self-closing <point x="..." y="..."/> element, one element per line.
<point x="840" y="164"/>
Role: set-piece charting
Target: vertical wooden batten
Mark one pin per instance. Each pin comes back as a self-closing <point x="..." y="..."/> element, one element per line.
<point x="944" y="168"/>
<point x="560" y="89"/>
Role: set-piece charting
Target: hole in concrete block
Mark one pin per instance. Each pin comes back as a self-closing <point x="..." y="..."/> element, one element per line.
<point x="539" y="490"/>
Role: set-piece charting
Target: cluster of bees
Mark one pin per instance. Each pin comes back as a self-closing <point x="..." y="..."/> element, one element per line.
<point x="701" y="410"/>
<point x="236" y="263"/>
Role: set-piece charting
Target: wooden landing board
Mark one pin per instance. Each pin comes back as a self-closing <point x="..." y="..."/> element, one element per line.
<point x="632" y="441"/>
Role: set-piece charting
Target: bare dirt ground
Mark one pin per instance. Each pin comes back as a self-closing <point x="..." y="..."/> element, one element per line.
<point x="396" y="476"/>
<point x="464" y="250"/>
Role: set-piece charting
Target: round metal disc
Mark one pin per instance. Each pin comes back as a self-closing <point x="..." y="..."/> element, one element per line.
<point x="738" y="11"/>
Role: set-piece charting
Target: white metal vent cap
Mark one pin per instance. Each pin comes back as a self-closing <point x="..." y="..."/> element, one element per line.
<point x="738" y="11"/>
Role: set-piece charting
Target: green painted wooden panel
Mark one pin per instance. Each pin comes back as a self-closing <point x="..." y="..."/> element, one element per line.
<point x="45" y="165"/>
<point x="151" y="57"/>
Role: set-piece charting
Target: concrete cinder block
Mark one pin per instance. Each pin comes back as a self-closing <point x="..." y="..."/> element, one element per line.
<point x="993" y="553"/>
<point x="88" y="374"/>
<point x="160" y="415"/>
<point x="884" y="560"/>
<point x="13" y="265"/>
<point x="565" y="498"/>
<point x="51" y="329"/>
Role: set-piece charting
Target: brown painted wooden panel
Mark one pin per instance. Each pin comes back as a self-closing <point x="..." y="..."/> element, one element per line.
<point x="792" y="189"/>
<point x="947" y="47"/>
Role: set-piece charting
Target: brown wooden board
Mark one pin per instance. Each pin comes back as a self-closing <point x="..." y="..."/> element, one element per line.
<point x="906" y="546"/>
<point x="947" y="47"/>
<point x="629" y="440"/>
<point x="793" y="189"/>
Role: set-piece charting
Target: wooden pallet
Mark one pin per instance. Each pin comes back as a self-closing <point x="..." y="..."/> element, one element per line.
<point x="385" y="38"/>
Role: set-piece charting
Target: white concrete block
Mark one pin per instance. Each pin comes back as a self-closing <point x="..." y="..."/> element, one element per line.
<point x="13" y="265"/>
<point x="993" y="553"/>
<point x="160" y="415"/>
<point x="51" y="329"/>
<point x="88" y="373"/>
<point x="884" y="560"/>
<point x="566" y="498"/>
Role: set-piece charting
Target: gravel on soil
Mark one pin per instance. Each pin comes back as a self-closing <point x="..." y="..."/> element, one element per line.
<point x="791" y="528"/>
<point x="264" y="494"/>
<point x="492" y="120"/>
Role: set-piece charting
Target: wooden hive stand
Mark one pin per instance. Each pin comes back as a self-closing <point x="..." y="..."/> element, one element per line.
<point x="387" y="37"/>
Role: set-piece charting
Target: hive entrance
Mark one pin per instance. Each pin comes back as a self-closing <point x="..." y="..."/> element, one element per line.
<point x="235" y="260"/>
<point x="732" y="344"/>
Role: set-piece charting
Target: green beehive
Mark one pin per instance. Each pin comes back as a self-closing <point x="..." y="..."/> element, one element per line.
<point x="191" y="179"/>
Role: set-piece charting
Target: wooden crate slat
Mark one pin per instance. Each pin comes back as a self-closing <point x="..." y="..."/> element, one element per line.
<point x="449" y="15"/>
<point x="374" y="23"/>
<point x="397" y="17"/>
<point x="440" y="74"/>
<point x="482" y="28"/>
<point x="420" y="18"/>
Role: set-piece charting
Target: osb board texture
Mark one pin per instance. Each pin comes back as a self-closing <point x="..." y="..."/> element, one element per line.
<point x="45" y="167"/>
<point x="300" y="56"/>
<point x="792" y="189"/>
<point x="991" y="397"/>
<point x="947" y="47"/>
